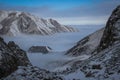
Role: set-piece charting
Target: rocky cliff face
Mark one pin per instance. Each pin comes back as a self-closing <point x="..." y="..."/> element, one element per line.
<point x="101" y="39"/>
<point x="14" y="65"/>
<point x="112" y="31"/>
<point x="11" y="56"/>
<point x="17" y="23"/>
<point x="104" y="64"/>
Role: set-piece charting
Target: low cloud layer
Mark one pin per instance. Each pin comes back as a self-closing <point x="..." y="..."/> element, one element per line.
<point x="99" y="20"/>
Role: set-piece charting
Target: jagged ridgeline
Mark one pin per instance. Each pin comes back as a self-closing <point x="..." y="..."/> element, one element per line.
<point x="100" y="39"/>
<point x="11" y="56"/>
<point x="104" y="48"/>
<point x="16" y="23"/>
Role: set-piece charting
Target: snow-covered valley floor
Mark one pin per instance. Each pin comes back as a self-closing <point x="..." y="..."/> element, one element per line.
<point x="60" y="43"/>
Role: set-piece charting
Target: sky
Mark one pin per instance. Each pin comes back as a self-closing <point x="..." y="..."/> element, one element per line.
<point x="68" y="12"/>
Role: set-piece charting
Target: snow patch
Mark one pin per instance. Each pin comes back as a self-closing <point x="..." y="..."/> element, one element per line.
<point x="3" y="15"/>
<point x="14" y="29"/>
<point x="94" y="39"/>
<point x="77" y="75"/>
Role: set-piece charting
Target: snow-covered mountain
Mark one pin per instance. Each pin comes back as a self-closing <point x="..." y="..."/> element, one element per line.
<point x="104" y="63"/>
<point x="87" y="45"/>
<point x="103" y="46"/>
<point x="100" y="39"/>
<point x="16" y="23"/>
<point x="111" y="33"/>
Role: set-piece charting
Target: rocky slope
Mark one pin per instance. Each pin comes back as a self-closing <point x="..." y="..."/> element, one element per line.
<point x="32" y="73"/>
<point x="11" y="56"/>
<point x="104" y="63"/>
<point x="14" y="65"/>
<point x="101" y="39"/>
<point x="112" y="31"/>
<point x="87" y="45"/>
<point x="17" y="23"/>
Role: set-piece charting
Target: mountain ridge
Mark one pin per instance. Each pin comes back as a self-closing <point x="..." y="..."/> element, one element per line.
<point x="104" y="63"/>
<point x="18" y="23"/>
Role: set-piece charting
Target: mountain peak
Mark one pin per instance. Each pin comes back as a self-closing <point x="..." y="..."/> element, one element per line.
<point x="101" y="39"/>
<point x="111" y="33"/>
<point x="18" y="23"/>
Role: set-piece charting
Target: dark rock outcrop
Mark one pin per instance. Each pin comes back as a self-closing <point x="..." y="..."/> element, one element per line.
<point x="104" y="64"/>
<point x="39" y="49"/>
<point x="111" y="33"/>
<point x="14" y="65"/>
<point x="21" y="55"/>
<point x="11" y="57"/>
<point x="104" y="38"/>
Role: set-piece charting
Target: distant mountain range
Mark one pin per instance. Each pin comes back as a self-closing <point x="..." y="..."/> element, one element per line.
<point x="17" y="23"/>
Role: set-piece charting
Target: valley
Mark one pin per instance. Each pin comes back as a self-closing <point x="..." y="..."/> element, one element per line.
<point x="33" y="48"/>
<point x="59" y="42"/>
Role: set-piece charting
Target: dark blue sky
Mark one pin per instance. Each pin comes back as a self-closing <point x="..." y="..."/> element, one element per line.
<point x="65" y="11"/>
<point x="57" y="3"/>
